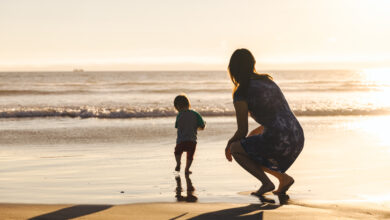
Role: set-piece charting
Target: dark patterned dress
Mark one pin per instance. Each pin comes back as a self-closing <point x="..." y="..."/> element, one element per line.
<point x="282" y="140"/>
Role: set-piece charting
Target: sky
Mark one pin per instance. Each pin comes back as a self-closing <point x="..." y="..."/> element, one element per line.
<point x="192" y="35"/>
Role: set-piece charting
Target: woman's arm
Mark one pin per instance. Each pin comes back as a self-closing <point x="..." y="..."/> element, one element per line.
<point x="256" y="131"/>
<point x="241" y="108"/>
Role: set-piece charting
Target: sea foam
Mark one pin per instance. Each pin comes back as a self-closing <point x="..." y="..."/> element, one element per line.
<point x="93" y="112"/>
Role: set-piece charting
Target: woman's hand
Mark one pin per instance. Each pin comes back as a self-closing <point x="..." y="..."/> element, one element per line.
<point x="241" y="108"/>
<point x="228" y="154"/>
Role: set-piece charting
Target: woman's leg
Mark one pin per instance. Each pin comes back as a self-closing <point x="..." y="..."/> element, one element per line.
<point x="252" y="167"/>
<point x="285" y="181"/>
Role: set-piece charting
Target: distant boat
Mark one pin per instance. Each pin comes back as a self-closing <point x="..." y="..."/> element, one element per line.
<point x="78" y="70"/>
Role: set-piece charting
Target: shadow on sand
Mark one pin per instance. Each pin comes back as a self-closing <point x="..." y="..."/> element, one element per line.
<point x="72" y="212"/>
<point x="249" y="212"/>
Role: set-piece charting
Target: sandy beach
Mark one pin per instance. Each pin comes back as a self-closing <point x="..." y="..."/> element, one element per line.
<point x="201" y="211"/>
<point x="329" y="185"/>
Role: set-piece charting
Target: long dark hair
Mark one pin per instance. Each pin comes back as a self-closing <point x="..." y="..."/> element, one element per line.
<point x="241" y="68"/>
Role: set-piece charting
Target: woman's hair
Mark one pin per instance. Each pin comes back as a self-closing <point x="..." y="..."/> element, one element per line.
<point x="241" y="67"/>
<point x="181" y="101"/>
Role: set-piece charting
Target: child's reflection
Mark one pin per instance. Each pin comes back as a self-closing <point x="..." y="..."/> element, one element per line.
<point x="190" y="190"/>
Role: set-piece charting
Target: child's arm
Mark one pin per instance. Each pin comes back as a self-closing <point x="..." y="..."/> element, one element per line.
<point x="200" y="123"/>
<point x="201" y="127"/>
<point x="256" y="131"/>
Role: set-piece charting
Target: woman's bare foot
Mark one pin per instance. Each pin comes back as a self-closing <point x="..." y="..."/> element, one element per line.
<point x="285" y="182"/>
<point x="264" y="189"/>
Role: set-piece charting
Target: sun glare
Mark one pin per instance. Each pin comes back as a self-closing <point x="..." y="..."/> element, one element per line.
<point x="376" y="127"/>
<point x="377" y="76"/>
<point x="379" y="81"/>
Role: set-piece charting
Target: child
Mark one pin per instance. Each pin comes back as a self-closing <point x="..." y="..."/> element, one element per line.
<point x="187" y="123"/>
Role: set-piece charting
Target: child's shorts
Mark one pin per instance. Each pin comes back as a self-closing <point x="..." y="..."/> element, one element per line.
<point x="187" y="146"/>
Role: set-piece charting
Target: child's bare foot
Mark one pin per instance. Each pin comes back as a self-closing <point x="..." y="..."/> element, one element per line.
<point x="188" y="172"/>
<point x="177" y="168"/>
<point x="263" y="189"/>
<point x="284" y="185"/>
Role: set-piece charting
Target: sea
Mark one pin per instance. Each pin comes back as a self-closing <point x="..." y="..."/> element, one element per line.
<point x="108" y="137"/>
<point x="139" y="94"/>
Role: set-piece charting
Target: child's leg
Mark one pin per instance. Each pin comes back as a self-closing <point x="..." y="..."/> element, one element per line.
<point x="190" y="156"/>
<point x="178" y="153"/>
<point x="188" y="165"/>
<point x="178" y="159"/>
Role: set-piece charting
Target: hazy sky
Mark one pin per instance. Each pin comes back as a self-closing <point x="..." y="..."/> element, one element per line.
<point x="184" y="34"/>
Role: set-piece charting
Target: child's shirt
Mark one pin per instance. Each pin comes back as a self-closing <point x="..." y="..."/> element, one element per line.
<point x="187" y="124"/>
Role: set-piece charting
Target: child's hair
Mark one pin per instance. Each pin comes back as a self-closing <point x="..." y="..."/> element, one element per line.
<point x="181" y="101"/>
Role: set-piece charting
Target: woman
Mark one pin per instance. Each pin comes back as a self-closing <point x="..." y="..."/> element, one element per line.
<point x="277" y="142"/>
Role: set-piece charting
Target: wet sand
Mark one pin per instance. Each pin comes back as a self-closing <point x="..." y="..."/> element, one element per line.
<point x="341" y="173"/>
<point x="200" y="211"/>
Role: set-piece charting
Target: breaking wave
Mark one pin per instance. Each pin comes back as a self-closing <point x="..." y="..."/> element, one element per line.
<point x="94" y="112"/>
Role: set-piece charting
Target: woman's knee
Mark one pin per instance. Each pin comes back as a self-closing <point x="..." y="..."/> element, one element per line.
<point x="236" y="147"/>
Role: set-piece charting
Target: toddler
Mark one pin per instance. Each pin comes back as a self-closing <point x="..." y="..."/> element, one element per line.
<point x="187" y="123"/>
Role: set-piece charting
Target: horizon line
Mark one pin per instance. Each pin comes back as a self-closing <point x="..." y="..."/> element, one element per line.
<point x="191" y="70"/>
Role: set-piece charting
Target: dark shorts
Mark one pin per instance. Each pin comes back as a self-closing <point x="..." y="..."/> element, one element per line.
<point x="186" y="146"/>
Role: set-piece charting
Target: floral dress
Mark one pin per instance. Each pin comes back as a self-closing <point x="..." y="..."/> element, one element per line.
<point x="282" y="140"/>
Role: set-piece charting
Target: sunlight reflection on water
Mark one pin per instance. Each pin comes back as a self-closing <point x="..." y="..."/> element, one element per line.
<point x="378" y="76"/>
<point x="376" y="127"/>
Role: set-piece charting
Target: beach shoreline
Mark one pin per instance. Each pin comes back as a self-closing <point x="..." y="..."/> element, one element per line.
<point x="71" y="161"/>
<point x="196" y="211"/>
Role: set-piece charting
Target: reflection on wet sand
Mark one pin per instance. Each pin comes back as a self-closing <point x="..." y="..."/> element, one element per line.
<point x="190" y="190"/>
<point x="251" y="211"/>
<point x="278" y="200"/>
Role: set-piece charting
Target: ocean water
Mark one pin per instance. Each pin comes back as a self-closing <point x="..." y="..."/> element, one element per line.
<point x="108" y="137"/>
<point x="150" y="94"/>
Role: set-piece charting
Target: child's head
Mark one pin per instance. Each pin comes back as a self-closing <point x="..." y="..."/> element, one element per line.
<point x="181" y="103"/>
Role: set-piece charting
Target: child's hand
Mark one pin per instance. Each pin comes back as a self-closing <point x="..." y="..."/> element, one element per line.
<point x="202" y="127"/>
<point x="228" y="154"/>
